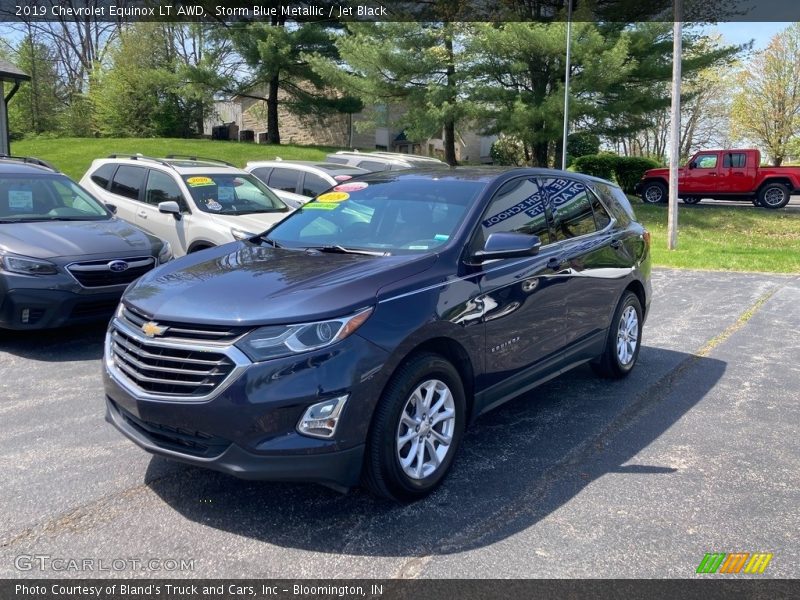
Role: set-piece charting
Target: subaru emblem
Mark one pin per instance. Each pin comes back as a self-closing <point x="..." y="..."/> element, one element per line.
<point x="118" y="266"/>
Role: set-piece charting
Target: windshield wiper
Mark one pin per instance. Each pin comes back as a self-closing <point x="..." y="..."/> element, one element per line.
<point x="269" y="241"/>
<point x="336" y="249"/>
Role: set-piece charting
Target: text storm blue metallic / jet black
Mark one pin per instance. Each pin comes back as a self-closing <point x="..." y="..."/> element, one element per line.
<point x="355" y="340"/>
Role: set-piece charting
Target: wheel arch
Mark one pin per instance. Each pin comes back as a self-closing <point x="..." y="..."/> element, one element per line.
<point x="777" y="179"/>
<point x="637" y="288"/>
<point x="199" y="245"/>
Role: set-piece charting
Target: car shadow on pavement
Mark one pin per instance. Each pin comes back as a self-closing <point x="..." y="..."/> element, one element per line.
<point x="56" y="345"/>
<point x="516" y="465"/>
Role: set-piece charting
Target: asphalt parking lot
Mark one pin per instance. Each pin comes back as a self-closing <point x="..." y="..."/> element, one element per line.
<point x="697" y="451"/>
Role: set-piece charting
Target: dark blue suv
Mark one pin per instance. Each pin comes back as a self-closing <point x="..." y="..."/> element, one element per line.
<point x="355" y="340"/>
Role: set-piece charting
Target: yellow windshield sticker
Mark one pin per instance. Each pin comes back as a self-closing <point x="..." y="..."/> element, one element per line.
<point x="198" y="181"/>
<point x="320" y="206"/>
<point x="333" y="197"/>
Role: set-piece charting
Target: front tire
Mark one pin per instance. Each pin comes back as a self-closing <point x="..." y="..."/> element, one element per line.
<point x="624" y="339"/>
<point x="416" y="429"/>
<point x="654" y="192"/>
<point x="774" y="195"/>
<point x="692" y="200"/>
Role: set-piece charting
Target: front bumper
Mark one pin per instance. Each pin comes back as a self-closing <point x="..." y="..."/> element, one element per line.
<point x="48" y="308"/>
<point x="247" y="428"/>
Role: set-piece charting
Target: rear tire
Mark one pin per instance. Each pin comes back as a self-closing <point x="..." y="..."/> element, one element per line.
<point x="692" y="200"/>
<point x="774" y="195"/>
<point x="654" y="192"/>
<point x="424" y="400"/>
<point x="624" y="339"/>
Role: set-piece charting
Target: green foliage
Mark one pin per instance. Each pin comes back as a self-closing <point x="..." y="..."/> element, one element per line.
<point x="598" y="165"/>
<point x="625" y="170"/>
<point x="507" y="151"/>
<point x="628" y="170"/>
<point x="581" y="144"/>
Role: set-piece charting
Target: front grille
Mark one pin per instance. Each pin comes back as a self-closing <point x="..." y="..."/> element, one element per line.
<point x="99" y="273"/>
<point x="195" y="443"/>
<point x="168" y="371"/>
<point x="204" y="333"/>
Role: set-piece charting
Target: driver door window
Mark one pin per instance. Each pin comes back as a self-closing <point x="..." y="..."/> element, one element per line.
<point x="517" y="207"/>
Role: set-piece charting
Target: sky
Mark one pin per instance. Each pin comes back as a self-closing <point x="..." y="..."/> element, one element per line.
<point x="740" y="33"/>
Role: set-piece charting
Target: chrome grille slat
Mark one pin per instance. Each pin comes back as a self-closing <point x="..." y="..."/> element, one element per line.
<point x="145" y="367"/>
<point x="159" y="367"/>
<point x="143" y="353"/>
<point x="206" y="333"/>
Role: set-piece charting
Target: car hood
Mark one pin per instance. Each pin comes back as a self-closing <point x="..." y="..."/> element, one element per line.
<point x="247" y="284"/>
<point x="255" y="223"/>
<point x="68" y="239"/>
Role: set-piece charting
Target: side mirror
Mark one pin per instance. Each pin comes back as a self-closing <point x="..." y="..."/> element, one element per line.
<point x="508" y="245"/>
<point x="111" y="207"/>
<point x="170" y="207"/>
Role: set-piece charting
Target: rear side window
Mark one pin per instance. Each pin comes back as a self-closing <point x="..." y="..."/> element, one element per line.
<point x="601" y="216"/>
<point x="616" y="201"/>
<point x="572" y="208"/>
<point x="314" y="185"/>
<point x="103" y="175"/>
<point x="283" y="179"/>
<point x="734" y="160"/>
<point x="128" y="181"/>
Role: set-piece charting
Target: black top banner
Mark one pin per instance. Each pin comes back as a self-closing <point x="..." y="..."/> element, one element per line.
<point x="281" y="11"/>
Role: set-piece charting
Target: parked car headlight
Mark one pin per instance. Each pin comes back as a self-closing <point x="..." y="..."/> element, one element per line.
<point x="241" y="234"/>
<point x="166" y="253"/>
<point x="274" y="341"/>
<point x="28" y="266"/>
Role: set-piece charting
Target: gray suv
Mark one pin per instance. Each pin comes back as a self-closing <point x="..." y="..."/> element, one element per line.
<point x="64" y="257"/>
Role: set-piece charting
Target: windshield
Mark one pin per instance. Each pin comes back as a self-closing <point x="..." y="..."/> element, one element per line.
<point x="226" y="194"/>
<point x="403" y="215"/>
<point x="46" y="198"/>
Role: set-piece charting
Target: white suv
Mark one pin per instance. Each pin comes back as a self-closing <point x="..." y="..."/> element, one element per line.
<point x="299" y="178"/>
<point x="190" y="202"/>
<point x="382" y="161"/>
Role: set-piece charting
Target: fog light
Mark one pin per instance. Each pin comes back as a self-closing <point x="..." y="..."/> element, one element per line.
<point x="26" y="315"/>
<point x="320" y="419"/>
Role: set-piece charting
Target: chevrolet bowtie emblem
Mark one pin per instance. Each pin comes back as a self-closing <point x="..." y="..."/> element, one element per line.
<point x="152" y="329"/>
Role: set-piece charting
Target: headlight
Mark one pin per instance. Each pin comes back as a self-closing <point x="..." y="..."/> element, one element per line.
<point x="28" y="266"/>
<point x="166" y="253"/>
<point x="283" y="340"/>
<point x="241" y="234"/>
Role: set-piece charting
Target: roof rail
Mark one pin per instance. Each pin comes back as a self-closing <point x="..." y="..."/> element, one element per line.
<point x="201" y="158"/>
<point x="30" y="160"/>
<point x="141" y="157"/>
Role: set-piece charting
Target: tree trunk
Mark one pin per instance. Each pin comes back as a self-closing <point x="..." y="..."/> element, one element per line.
<point x="449" y="123"/>
<point x="540" y="154"/>
<point x="273" y="134"/>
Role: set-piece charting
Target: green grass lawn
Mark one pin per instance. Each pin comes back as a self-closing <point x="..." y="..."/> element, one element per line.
<point x="74" y="155"/>
<point x="726" y="238"/>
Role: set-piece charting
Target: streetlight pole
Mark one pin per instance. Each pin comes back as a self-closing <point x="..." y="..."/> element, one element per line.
<point x="675" y="127"/>
<point x="566" y="87"/>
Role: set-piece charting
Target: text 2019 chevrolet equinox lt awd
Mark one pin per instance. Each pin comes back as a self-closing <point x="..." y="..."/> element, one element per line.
<point x="355" y="340"/>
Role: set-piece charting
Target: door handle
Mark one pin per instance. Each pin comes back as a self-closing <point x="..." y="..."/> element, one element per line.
<point x="616" y="244"/>
<point x="142" y="214"/>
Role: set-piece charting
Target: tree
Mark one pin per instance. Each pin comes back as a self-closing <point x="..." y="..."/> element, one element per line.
<point x="37" y="104"/>
<point x="766" y="107"/>
<point x="414" y="65"/>
<point x="275" y="51"/>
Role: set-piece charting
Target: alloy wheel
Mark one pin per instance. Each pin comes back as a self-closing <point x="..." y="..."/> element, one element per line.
<point x="627" y="335"/>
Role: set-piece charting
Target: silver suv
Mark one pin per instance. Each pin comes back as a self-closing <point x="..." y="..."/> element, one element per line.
<point x="64" y="257"/>
<point x="193" y="203"/>
<point x="383" y="161"/>
<point x="303" y="179"/>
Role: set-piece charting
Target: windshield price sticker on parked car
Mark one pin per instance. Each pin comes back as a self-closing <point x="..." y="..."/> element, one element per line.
<point x="320" y="206"/>
<point x="333" y="197"/>
<point x="198" y="181"/>
<point x="20" y="200"/>
<point x="353" y="186"/>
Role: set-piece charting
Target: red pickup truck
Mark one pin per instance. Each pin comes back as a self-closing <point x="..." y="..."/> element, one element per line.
<point x="724" y="175"/>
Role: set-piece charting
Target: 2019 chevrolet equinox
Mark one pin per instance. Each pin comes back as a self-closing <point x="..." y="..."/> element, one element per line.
<point x="355" y="340"/>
